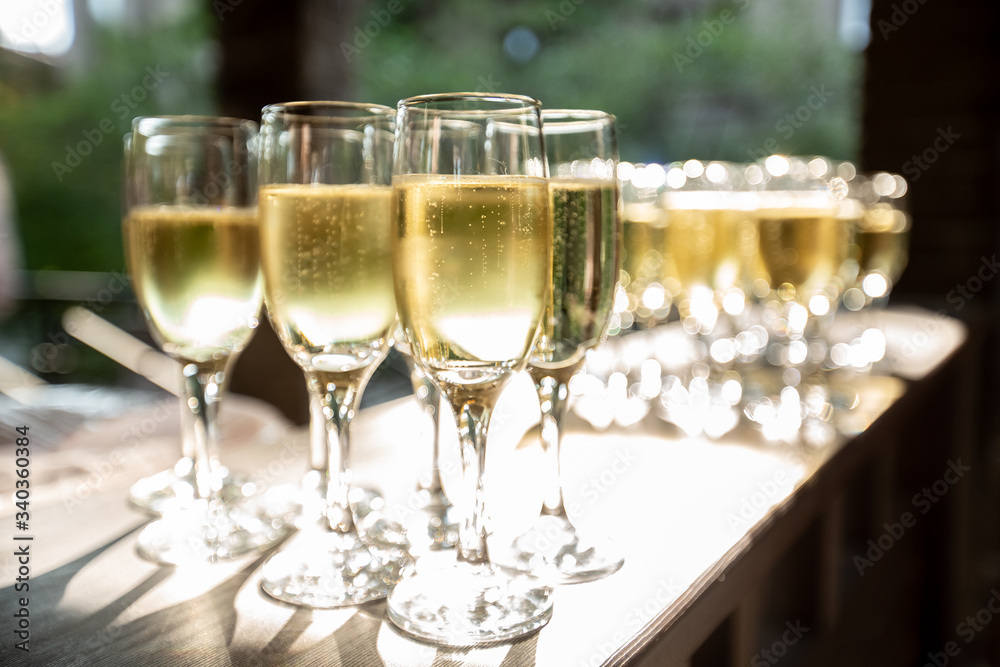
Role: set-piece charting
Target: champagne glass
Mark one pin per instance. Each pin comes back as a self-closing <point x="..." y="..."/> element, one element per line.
<point x="175" y="485"/>
<point x="472" y="252"/>
<point x="325" y="219"/>
<point x="881" y="250"/>
<point x="711" y="234"/>
<point x="804" y="231"/>
<point x="646" y="284"/>
<point x="586" y="231"/>
<point x="192" y="246"/>
<point x="432" y="523"/>
<point x="883" y="234"/>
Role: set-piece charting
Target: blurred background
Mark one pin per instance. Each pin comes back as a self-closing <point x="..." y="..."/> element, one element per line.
<point x="899" y="85"/>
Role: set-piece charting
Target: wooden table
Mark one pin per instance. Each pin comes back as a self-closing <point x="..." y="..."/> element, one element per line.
<point x="738" y="550"/>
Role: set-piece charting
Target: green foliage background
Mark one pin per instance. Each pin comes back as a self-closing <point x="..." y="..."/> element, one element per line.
<point x="708" y="85"/>
<point x="634" y="58"/>
<point x="74" y="222"/>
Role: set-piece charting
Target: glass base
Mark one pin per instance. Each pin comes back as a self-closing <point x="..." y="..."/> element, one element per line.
<point x="303" y="506"/>
<point x="326" y="570"/>
<point x="469" y="605"/>
<point x="553" y="551"/>
<point x="372" y="524"/>
<point x="174" y="487"/>
<point x="432" y="524"/>
<point x="207" y="531"/>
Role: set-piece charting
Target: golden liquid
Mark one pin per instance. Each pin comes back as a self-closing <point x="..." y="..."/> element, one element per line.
<point x="885" y="252"/>
<point x="472" y="264"/>
<point x="643" y="257"/>
<point x="710" y="248"/>
<point x="196" y="274"/>
<point x="584" y="271"/>
<point x="802" y="249"/>
<point x="327" y="271"/>
<point x="882" y="241"/>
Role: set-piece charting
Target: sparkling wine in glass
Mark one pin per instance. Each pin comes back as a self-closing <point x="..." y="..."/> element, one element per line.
<point x="804" y="235"/>
<point x="881" y="250"/>
<point x="586" y="233"/>
<point x="711" y="237"/>
<point x="432" y="522"/>
<point x="882" y="235"/>
<point x="648" y="286"/>
<point x="192" y="245"/>
<point x="472" y="252"/>
<point x="325" y="201"/>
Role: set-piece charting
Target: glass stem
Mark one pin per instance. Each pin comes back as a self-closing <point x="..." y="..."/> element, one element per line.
<point x="432" y="407"/>
<point x="430" y="401"/>
<point x="316" y="479"/>
<point x="187" y="434"/>
<point x="184" y="467"/>
<point x="339" y="395"/>
<point x="473" y="419"/>
<point x="552" y="395"/>
<point x="319" y="443"/>
<point x="204" y="383"/>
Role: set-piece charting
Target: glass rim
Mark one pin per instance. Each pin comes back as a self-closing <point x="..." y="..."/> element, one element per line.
<point x="579" y="124"/>
<point x="696" y="175"/>
<point x="517" y="103"/>
<point x="797" y="167"/>
<point x="290" y="110"/>
<point x="578" y="115"/>
<point x="814" y="199"/>
<point x="192" y="121"/>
